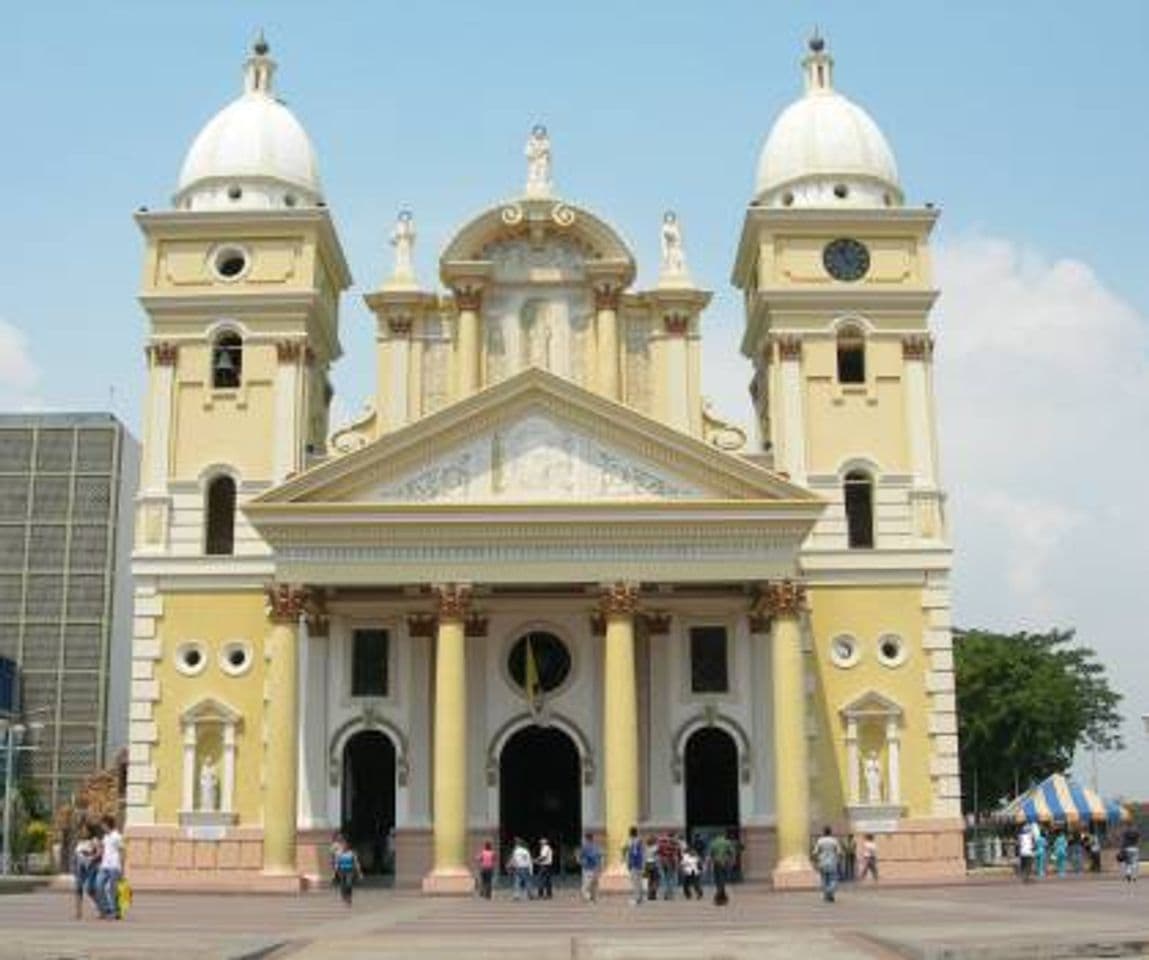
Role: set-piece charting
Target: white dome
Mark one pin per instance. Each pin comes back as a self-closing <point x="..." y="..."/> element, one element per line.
<point x="825" y="151"/>
<point x="252" y="154"/>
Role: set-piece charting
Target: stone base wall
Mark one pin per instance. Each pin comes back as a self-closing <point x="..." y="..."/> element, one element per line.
<point x="414" y="854"/>
<point x="921" y="850"/>
<point x="166" y="858"/>
<point x="759" y="852"/>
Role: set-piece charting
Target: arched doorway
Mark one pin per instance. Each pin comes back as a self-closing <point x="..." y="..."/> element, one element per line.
<point x="369" y="800"/>
<point x="711" y="764"/>
<point x="540" y="793"/>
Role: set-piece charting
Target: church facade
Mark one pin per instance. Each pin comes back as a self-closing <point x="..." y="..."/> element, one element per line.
<point x="538" y="587"/>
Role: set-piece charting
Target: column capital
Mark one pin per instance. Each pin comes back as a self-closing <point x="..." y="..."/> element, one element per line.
<point x="657" y="623"/>
<point x="918" y="346"/>
<point x="164" y="353"/>
<point x="618" y="599"/>
<point x="468" y="296"/>
<point x="315" y="612"/>
<point x="607" y="295"/>
<point x="287" y="602"/>
<point x="780" y="598"/>
<point x="290" y="351"/>
<point x="400" y="324"/>
<point x="676" y="324"/>
<point x="421" y="625"/>
<point x="454" y="599"/>
<point x="789" y="347"/>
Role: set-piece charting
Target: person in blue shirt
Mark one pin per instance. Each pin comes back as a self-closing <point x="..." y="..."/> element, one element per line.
<point x="347" y="870"/>
<point x="634" y="855"/>
<point x="590" y="860"/>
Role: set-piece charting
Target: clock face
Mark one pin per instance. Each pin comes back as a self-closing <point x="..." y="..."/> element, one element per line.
<point x="846" y="259"/>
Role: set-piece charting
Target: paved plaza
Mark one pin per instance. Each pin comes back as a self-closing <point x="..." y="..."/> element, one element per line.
<point x="1072" y="918"/>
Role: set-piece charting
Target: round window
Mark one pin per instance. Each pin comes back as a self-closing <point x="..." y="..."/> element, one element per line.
<point x="844" y="650"/>
<point x="891" y="649"/>
<point x="229" y="263"/>
<point x="542" y="658"/>
<point x="841" y="191"/>
<point x="289" y="200"/>
<point x="191" y="657"/>
<point x="787" y="199"/>
<point x="235" y="657"/>
<point x="234" y="192"/>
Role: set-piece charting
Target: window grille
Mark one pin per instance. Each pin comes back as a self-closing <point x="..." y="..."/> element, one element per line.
<point x="11" y="591"/>
<point x="82" y="646"/>
<point x="86" y="596"/>
<point x="10" y="640"/>
<point x="93" y="498"/>
<point x="39" y="692"/>
<point x="54" y="451"/>
<point x="13" y="498"/>
<point x="708" y="662"/>
<point x="94" y="451"/>
<point x="12" y="547"/>
<point x="44" y="596"/>
<point x="79" y="696"/>
<point x="89" y="549"/>
<point x="77" y="749"/>
<point x="41" y="646"/>
<point x="15" y="450"/>
<point x="46" y="547"/>
<point x="50" y="498"/>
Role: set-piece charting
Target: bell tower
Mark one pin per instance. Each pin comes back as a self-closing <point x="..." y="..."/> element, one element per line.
<point x="241" y="286"/>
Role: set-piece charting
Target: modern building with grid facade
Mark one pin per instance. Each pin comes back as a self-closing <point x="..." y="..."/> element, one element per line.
<point x="66" y="480"/>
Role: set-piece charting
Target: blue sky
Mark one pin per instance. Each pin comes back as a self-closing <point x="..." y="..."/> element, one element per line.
<point x="1024" y="121"/>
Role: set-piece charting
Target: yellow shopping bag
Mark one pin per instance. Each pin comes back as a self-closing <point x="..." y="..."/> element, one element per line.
<point x="123" y="897"/>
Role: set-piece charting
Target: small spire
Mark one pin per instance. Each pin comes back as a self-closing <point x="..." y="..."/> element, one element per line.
<point x="259" y="69"/>
<point x="818" y="64"/>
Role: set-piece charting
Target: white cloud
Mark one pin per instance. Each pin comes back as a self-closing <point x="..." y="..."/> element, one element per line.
<point x="1043" y="391"/>
<point x="19" y="376"/>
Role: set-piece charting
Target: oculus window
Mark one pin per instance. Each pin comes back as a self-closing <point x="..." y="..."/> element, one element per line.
<point x="541" y="660"/>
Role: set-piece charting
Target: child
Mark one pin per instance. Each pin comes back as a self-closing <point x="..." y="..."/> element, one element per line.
<point x="691" y="874"/>
<point x="347" y="871"/>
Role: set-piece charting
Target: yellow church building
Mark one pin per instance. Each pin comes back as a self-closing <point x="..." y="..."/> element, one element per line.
<point x="538" y="587"/>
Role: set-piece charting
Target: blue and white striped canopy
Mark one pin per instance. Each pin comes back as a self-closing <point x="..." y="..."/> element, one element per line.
<point x="1059" y="799"/>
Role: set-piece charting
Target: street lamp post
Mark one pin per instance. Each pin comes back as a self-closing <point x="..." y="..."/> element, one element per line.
<point x="13" y="734"/>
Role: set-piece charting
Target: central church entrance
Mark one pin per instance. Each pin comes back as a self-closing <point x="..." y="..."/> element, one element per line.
<point x="540" y="794"/>
<point x="368" y="802"/>
<point x="711" y="785"/>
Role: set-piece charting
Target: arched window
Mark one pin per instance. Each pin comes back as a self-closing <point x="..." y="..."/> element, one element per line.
<point x="220" y="512"/>
<point x="858" y="490"/>
<point x="226" y="361"/>
<point x="851" y="355"/>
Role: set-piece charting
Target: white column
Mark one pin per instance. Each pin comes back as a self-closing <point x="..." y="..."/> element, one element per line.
<point x="399" y="388"/>
<point x="314" y="649"/>
<point x="677" y="381"/>
<point x="792" y="439"/>
<point x="287" y="445"/>
<point x="164" y="358"/>
<point x="853" y="768"/>
<point x="893" y="762"/>
<point x="187" y="788"/>
<point x="227" y="787"/>
<point x="915" y="355"/>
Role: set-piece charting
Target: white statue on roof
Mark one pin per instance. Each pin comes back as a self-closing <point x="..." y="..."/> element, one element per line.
<point x="673" y="255"/>
<point x="538" y="154"/>
<point x="403" y="240"/>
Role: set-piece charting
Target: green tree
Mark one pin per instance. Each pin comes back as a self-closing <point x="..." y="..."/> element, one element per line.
<point x="1026" y="703"/>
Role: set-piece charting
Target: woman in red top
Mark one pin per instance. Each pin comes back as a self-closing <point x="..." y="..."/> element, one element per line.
<point x="486" y="861"/>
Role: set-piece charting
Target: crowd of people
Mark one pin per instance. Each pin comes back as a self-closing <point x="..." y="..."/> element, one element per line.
<point x="1060" y="850"/>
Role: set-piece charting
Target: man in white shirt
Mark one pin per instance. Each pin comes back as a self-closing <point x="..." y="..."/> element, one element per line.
<point x="1025" y="851"/>
<point x="111" y="869"/>
<point x="520" y="866"/>
<point x="545" y="862"/>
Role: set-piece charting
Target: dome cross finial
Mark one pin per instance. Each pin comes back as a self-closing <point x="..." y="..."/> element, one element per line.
<point x="259" y="69"/>
<point x="818" y="64"/>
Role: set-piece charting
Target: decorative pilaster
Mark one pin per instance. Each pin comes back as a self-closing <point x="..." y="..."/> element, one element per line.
<point x="450" y="873"/>
<point x="783" y="602"/>
<point x="469" y="301"/>
<point x="286" y="604"/>
<point x="790" y="438"/>
<point x="619" y="604"/>
<point x="606" y="300"/>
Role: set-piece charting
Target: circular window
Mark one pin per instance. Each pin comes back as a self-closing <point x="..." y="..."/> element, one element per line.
<point x="841" y="191"/>
<point x="191" y="658"/>
<point x="844" y="650"/>
<point x="541" y="656"/>
<point x="289" y="200"/>
<point x="234" y="192"/>
<point x="891" y="650"/>
<point x="787" y="199"/>
<point x="229" y="263"/>
<point x="235" y="657"/>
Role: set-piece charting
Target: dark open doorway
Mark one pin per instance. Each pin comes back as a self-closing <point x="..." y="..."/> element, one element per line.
<point x="711" y="784"/>
<point x="540" y="793"/>
<point x="369" y="800"/>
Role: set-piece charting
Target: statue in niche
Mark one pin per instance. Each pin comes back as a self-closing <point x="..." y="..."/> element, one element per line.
<point x="538" y="153"/>
<point x="537" y="334"/>
<point x="872" y="770"/>
<point x="208" y="784"/>
<point x="403" y="240"/>
<point x="673" y="256"/>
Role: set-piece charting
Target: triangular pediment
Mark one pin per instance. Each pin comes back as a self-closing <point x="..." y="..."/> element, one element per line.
<point x="871" y="704"/>
<point x="535" y="438"/>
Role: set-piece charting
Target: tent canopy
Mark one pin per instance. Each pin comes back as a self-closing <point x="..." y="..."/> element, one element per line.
<point x="1058" y="799"/>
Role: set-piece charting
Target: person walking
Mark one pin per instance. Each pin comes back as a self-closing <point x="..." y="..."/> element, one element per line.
<point x="1025" y="852"/>
<point x="869" y="858"/>
<point x="347" y="871"/>
<point x="669" y="860"/>
<point x="691" y="873"/>
<point x="111" y="869"/>
<point x="826" y="854"/>
<point x="590" y="862"/>
<point x="1077" y="845"/>
<point x="1095" y="852"/>
<point x="486" y="862"/>
<point x="85" y="865"/>
<point x="519" y="865"/>
<point x="650" y="866"/>
<point x="545" y="863"/>
<point x="634" y="856"/>
<point x="1060" y="852"/>
<point x="1040" y="850"/>
<point x="1130" y="853"/>
<point x="722" y="855"/>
